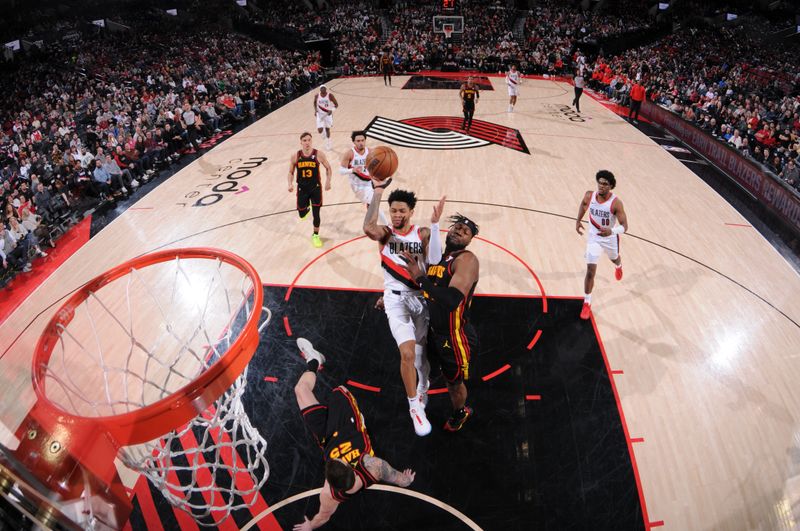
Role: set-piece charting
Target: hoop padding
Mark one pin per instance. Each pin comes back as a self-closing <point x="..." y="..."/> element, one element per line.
<point x="181" y="328"/>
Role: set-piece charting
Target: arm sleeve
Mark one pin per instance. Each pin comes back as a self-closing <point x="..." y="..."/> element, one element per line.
<point x="434" y="245"/>
<point x="447" y="297"/>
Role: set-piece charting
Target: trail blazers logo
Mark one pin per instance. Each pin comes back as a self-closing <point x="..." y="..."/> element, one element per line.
<point x="444" y="132"/>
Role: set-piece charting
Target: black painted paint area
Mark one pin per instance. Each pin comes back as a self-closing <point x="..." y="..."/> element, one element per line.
<point x="558" y="463"/>
<point x="445" y="82"/>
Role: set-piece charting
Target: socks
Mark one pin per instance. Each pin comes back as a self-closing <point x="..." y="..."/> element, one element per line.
<point x="313" y="365"/>
<point x="587" y="298"/>
<point x="413" y="403"/>
<point x="618" y="266"/>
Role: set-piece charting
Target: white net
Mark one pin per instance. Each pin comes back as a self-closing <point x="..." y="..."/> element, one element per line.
<point x="142" y="338"/>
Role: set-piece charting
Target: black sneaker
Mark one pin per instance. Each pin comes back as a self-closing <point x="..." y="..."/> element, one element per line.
<point x="455" y="423"/>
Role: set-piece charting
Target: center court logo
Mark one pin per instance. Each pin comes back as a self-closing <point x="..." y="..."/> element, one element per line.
<point x="444" y="132"/>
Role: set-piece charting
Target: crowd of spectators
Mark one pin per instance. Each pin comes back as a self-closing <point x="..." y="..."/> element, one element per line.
<point x="726" y="82"/>
<point x="98" y="117"/>
<point x="90" y="120"/>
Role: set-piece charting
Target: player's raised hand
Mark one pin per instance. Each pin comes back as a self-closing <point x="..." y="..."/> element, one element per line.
<point x="411" y="264"/>
<point x="438" y="209"/>
<point x="380" y="185"/>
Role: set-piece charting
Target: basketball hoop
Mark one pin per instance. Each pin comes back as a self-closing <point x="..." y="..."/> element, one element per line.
<point x="447" y="29"/>
<point x="153" y="354"/>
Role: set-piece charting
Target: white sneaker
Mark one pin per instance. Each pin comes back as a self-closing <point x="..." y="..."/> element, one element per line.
<point x="421" y="424"/>
<point x="308" y="352"/>
<point x="134" y="184"/>
<point x="28" y="267"/>
<point x="124" y="190"/>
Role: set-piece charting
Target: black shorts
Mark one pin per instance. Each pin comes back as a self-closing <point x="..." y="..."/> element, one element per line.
<point x="341" y="416"/>
<point x="452" y="352"/>
<point x="308" y="194"/>
<point x="468" y="108"/>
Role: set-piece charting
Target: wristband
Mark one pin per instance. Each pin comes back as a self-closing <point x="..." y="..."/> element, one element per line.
<point x="619" y="229"/>
<point x="345" y="171"/>
<point x="382" y="186"/>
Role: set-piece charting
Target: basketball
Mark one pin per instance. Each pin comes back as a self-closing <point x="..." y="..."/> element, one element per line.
<point x="381" y="162"/>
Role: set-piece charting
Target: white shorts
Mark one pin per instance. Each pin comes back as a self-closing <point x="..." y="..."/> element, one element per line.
<point x="362" y="189"/>
<point x="324" y="120"/>
<point x="595" y="245"/>
<point x="513" y="90"/>
<point x="408" y="316"/>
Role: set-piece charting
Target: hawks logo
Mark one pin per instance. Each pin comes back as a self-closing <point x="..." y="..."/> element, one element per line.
<point x="444" y="132"/>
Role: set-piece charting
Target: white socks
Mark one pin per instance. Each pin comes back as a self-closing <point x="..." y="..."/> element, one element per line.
<point x="587" y="298"/>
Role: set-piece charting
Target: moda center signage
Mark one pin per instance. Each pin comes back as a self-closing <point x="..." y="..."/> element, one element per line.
<point x="223" y="182"/>
<point x="770" y="191"/>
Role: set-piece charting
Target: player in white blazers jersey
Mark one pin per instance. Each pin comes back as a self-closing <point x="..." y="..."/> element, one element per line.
<point x="354" y="166"/>
<point x="513" y="79"/>
<point x="324" y="104"/>
<point x="607" y="220"/>
<point x="402" y="297"/>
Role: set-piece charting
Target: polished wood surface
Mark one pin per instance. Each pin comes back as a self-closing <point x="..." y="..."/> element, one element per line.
<point x="704" y="324"/>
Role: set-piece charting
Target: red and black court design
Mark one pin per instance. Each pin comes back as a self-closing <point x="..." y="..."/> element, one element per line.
<point x="546" y="448"/>
<point x="445" y="82"/>
<point x="444" y="132"/>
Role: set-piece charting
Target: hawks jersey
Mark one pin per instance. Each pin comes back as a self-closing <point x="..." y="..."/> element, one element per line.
<point x="395" y="276"/>
<point x="307" y="169"/>
<point x="324" y="104"/>
<point x="359" y="164"/>
<point x="349" y="442"/>
<point x="443" y="321"/>
<point x="469" y="94"/>
<point x="600" y="215"/>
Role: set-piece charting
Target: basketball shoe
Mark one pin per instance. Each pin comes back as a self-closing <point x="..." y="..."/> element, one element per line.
<point x="420" y="420"/>
<point x="586" y="311"/>
<point x="456" y="421"/>
<point x="308" y="352"/>
<point x="618" y="273"/>
<point x="316" y="241"/>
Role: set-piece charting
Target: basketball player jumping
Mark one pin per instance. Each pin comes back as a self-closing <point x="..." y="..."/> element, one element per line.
<point x="605" y="210"/>
<point x="402" y="297"/>
<point x="354" y="165"/>
<point x="512" y="80"/>
<point x="338" y="428"/>
<point x="304" y="167"/>
<point x="324" y="104"/>
<point x="449" y="286"/>
<point x="469" y="95"/>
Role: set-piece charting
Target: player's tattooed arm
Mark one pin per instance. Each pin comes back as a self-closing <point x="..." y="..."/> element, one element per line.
<point x="384" y="472"/>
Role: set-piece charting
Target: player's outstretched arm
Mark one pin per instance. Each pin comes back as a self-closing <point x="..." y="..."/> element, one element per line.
<point x="327" y="506"/>
<point x="376" y="232"/>
<point x="383" y="471"/>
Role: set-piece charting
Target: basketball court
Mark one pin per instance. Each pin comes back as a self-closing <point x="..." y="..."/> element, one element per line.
<point x="675" y="407"/>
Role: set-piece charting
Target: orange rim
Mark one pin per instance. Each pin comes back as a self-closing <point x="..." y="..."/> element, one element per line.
<point x="158" y="418"/>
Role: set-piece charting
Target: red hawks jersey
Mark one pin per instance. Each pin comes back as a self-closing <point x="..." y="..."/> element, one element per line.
<point x="600" y="215"/>
<point x="359" y="164"/>
<point x="395" y="276"/>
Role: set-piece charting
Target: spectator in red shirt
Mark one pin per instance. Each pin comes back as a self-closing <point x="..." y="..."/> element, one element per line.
<point x="637" y="97"/>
